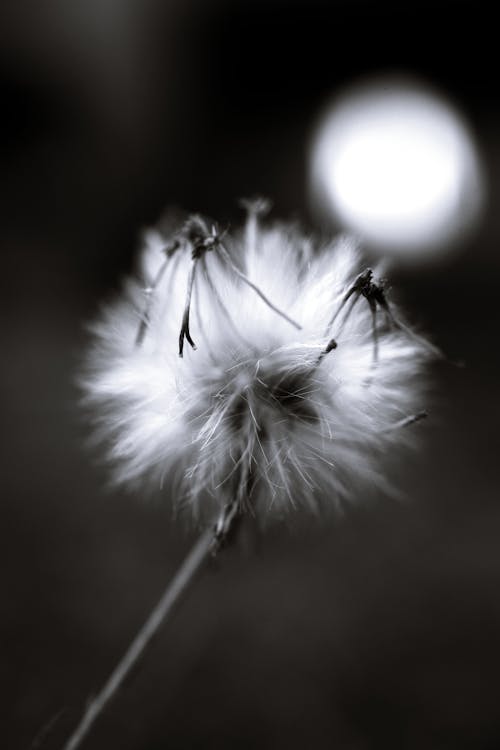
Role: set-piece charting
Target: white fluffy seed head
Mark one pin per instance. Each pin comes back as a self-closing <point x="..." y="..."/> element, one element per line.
<point x="259" y="411"/>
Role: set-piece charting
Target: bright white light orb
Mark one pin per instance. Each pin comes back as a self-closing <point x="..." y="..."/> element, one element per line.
<point x="396" y="165"/>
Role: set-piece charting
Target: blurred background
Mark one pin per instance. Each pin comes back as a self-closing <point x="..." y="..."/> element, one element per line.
<point x="380" y="631"/>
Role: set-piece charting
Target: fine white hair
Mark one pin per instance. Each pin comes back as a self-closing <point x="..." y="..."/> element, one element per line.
<point x="275" y="416"/>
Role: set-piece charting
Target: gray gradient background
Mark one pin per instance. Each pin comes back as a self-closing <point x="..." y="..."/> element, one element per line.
<point x="380" y="631"/>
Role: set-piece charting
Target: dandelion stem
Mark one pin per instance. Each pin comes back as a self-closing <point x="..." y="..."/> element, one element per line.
<point x="207" y="544"/>
<point x="348" y="296"/>
<point x="146" y="316"/>
<point x="185" y="333"/>
<point x="253" y="286"/>
<point x="218" y="299"/>
<point x="396" y="323"/>
<point x="406" y="421"/>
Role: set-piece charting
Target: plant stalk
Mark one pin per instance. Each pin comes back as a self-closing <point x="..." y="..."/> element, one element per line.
<point x="207" y="544"/>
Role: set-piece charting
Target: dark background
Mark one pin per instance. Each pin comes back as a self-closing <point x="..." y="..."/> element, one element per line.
<point x="380" y="631"/>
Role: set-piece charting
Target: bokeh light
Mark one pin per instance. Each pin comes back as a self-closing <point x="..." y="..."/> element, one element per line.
<point x="394" y="163"/>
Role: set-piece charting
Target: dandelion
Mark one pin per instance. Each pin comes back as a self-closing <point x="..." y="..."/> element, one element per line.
<point x="289" y="397"/>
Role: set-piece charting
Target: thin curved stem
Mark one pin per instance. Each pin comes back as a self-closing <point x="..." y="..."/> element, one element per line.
<point x="354" y="296"/>
<point x="146" y="316"/>
<point x="406" y="421"/>
<point x="253" y="286"/>
<point x="185" y="333"/>
<point x="207" y="544"/>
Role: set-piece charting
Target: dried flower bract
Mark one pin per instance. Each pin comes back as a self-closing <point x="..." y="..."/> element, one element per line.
<point x="292" y="395"/>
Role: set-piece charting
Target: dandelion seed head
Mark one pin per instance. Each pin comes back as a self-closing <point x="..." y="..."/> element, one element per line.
<point x="261" y="411"/>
